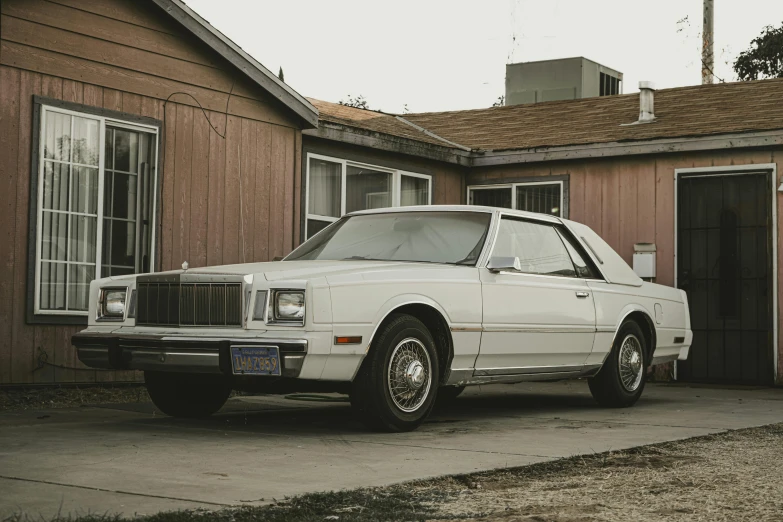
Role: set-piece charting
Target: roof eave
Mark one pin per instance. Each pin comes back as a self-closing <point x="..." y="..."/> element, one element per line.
<point x="259" y="74"/>
<point x="381" y="141"/>
<point x="627" y="148"/>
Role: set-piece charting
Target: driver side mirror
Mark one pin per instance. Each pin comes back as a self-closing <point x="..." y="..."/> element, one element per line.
<point x="504" y="264"/>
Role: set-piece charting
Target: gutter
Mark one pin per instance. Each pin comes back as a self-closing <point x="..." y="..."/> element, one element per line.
<point x="376" y="140"/>
<point x="485" y="158"/>
<point x="628" y="148"/>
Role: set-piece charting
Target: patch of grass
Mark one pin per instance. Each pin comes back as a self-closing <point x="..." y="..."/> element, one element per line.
<point x="14" y="399"/>
<point x="394" y="503"/>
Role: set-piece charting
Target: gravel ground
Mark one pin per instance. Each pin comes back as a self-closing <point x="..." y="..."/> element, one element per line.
<point x="69" y="397"/>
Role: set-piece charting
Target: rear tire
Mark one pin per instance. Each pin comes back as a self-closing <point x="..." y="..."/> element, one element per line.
<point x="396" y="386"/>
<point x="188" y="395"/>
<point x="621" y="380"/>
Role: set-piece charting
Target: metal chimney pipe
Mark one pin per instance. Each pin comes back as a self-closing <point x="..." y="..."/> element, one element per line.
<point x="646" y="102"/>
<point x="708" y="37"/>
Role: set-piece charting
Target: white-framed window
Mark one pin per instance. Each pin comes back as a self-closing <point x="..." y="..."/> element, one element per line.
<point x="336" y="187"/>
<point x="95" y="205"/>
<point x="544" y="197"/>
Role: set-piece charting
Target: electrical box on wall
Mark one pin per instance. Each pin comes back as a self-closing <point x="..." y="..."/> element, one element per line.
<point x="644" y="260"/>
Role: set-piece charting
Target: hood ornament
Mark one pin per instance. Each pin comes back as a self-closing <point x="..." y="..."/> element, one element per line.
<point x="185" y="265"/>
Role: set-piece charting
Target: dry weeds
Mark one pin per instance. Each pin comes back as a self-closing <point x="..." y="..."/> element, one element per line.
<point x="732" y="476"/>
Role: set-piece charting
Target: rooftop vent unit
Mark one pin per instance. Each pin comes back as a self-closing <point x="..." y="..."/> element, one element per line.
<point x="563" y="79"/>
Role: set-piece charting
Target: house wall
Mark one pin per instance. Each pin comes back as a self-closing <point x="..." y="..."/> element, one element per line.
<point x="631" y="200"/>
<point x="222" y="200"/>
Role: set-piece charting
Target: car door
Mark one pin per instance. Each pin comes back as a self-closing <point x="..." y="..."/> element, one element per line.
<point x="541" y="317"/>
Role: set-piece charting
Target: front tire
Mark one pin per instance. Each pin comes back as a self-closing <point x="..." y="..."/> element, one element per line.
<point x="621" y="380"/>
<point x="188" y="395"/>
<point x="396" y="387"/>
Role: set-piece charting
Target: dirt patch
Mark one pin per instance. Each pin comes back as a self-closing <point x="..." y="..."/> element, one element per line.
<point x="732" y="476"/>
<point x="69" y="397"/>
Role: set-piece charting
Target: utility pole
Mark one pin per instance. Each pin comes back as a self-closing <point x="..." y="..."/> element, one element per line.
<point x="708" y="41"/>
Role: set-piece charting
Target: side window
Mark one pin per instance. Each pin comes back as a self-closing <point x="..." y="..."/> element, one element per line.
<point x="538" y="246"/>
<point x="583" y="269"/>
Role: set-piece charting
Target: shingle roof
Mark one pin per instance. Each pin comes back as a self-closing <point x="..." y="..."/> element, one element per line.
<point x="680" y="112"/>
<point x="374" y="121"/>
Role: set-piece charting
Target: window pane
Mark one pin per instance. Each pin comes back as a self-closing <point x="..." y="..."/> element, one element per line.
<point x="84" y="193"/>
<point x="414" y="191"/>
<point x="495" y="197"/>
<point x="57" y="136"/>
<point x="54" y="229"/>
<point x="538" y="247"/>
<point x="83" y="238"/>
<point x="126" y="150"/>
<point x="582" y="268"/>
<point x="431" y="237"/>
<point x="325" y="188"/>
<point x="366" y="189"/>
<point x="124" y="196"/>
<point x="544" y="199"/>
<point x="108" y="150"/>
<point x="55" y="185"/>
<point x="79" y="277"/>
<point x="85" y="141"/>
<point x="314" y="226"/>
<point x="52" y="295"/>
<point x="119" y="243"/>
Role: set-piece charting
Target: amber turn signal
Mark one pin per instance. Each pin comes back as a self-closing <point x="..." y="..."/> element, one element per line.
<point x="348" y="340"/>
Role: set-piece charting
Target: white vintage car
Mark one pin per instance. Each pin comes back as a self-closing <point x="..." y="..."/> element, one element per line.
<point x="395" y="307"/>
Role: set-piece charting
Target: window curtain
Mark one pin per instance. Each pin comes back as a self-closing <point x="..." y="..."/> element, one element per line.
<point x="414" y="191"/>
<point x="325" y="188"/>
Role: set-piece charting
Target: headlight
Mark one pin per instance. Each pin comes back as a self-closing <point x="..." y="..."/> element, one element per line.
<point x="112" y="303"/>
<point x="289" y="306"/>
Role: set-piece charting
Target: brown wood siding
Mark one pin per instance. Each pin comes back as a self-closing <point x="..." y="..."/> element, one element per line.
<point x="631" y="200"/>
<point x="146" y="54"/>
<point x="124" y="56"/>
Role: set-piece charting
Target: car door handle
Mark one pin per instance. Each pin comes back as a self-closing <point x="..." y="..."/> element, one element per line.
<point x="582" y="295"/>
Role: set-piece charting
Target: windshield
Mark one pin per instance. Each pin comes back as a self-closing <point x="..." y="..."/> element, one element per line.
<point x="428" y="237"/>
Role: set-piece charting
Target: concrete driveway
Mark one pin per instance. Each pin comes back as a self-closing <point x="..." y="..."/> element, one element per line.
<point x="130" y="459"/>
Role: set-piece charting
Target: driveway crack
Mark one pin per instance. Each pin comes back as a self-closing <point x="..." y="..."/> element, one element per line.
<point x="120" y="492"/>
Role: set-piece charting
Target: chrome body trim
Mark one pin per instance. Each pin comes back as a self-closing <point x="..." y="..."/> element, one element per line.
<point x="178" y="354"/>
<point x="539" y="329"/>
<point x="466" y="329"/>
<point x="457" y="376"/>
<point x="174" y="361"/>
<point x="529" y="370"/>
<point x="471" y="377"/>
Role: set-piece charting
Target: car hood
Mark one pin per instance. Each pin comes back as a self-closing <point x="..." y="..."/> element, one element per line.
<point x="280" y="270"/>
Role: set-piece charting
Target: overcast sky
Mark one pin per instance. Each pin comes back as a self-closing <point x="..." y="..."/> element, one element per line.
<point x="436" y="55"/>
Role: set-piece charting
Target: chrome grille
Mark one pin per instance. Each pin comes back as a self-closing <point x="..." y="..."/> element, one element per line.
<point x="188" y="304"/>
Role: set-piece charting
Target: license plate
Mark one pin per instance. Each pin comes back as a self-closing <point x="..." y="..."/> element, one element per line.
<point x="255" y="360"/>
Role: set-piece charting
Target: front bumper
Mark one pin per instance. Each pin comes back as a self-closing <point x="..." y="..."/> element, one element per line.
<point x="166" y="353"/>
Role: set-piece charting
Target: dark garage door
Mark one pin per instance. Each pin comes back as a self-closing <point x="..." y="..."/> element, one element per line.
<point x="724" y="258"/>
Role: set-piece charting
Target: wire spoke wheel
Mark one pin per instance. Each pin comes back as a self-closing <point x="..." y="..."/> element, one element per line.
<point x="631" y="363"/>
<point x="409" y="376"/>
